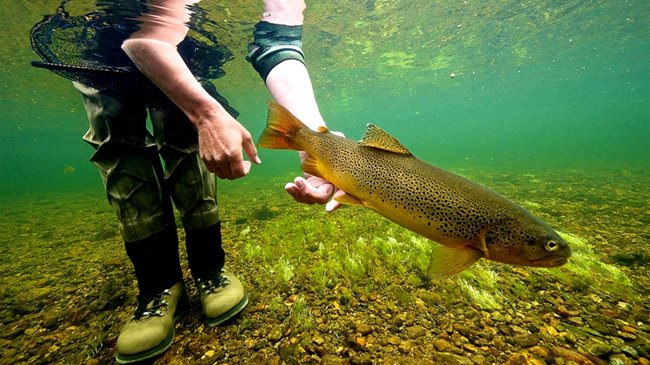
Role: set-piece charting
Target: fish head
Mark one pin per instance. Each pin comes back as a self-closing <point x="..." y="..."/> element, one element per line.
<point x="527" y="242"/>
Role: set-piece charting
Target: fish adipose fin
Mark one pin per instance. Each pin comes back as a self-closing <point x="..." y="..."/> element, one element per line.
<point x="447" y="261"/>
<point x="281" y="125"/>
<point x="379" y="138"/>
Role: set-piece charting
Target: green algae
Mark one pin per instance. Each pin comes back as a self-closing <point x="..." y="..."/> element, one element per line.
<point x="310" y="274"/>
<point x="587" y="269"/>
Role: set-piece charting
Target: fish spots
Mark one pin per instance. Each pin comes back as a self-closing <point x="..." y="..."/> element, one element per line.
<point x="433" y="202"/>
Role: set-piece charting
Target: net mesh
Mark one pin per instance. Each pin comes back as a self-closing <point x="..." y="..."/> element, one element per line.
<point x="87" y="49"/>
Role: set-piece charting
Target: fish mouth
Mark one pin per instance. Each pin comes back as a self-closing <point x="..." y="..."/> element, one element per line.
<point x="551" y="261"/>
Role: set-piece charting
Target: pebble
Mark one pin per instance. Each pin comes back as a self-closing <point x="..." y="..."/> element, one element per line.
<point x="523" y="358"/>
<point x="451" y="359"/>
<point x="629" y="351"/>
<point x="576" y="320"/>
<point x="599" y="349"/>
<point x="275" y="334"/>
<point x="539" y="351"/>
<point x="406" y="347"/>
<point x="364" y="329"/>
<point x="564" y="312"/>
<point x="626" y="336"/>
<point x="570" y="355"/>
<point x="629" y="329"/>
<point x="552" y="331"/>
<point x="479" y="360"/>
<point x="333" y="360"/>
<point x="363" y="359"/>
<point x="394" y="340"/>
<point x="444" y="346"/>
<point x="603" y="325"/>
<point x="208" y="354"/>
<point x="416" y="331"/>
<point x="620" y="359"/>
<point x="526" y="340"/>
<point x="403" y="360"/>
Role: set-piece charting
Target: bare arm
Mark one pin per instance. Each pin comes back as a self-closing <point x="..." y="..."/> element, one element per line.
<point x="153" y="49"/>
<point x="290" y="85"/>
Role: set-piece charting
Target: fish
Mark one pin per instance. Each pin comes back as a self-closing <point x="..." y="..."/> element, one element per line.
<point x="469" y="221"/>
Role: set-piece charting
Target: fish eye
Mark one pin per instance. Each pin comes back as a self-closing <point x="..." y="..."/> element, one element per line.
<point x="551" y="246"/>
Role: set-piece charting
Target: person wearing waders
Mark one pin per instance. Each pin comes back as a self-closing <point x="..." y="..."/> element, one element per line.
<point x="135" y="59"/>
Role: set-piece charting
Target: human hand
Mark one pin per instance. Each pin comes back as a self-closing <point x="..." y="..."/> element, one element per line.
<point x="221" y="140"/>
<point x="312" y="189"/>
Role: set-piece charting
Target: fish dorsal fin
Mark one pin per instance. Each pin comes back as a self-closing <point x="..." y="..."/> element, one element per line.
<point x="379" y="138"/>
<point x="448" y="261"/>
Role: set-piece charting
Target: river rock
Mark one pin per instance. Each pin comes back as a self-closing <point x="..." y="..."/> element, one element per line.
<point x="570" y="355"/>
<point x="523" y="358"/>
<point x="364" y="329"/>
<point x="416" y="331"/>
<point x="620" y="359"/>
<point x="451" y="359"/>
<point x="526" y="340"/>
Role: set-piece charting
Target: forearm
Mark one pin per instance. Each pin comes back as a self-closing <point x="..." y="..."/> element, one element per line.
<point x="153" y="50"/>
<point x="277" y="55"/>
<point x="160" y="62"/>
<point x="290" y="85"/>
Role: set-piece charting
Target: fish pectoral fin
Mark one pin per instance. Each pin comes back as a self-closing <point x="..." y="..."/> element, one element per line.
<point x="345" y="198"/>
<point x="310" y="166"/>
<point x="378" y="138"/>
<point x="447" y="261"/>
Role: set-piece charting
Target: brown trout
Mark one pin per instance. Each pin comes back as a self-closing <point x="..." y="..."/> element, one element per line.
<point x="378" y="172"/>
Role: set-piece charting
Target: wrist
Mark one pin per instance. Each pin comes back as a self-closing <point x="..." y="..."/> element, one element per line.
<point x="208" y="115"/>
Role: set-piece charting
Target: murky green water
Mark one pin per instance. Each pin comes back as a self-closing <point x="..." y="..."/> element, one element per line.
<point x="549" y="105"/>
<point x="539" y="84"/>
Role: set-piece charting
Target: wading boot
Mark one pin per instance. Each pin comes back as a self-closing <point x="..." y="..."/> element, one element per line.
<point x="150" y="331"/>
<point x="222" y="296"/>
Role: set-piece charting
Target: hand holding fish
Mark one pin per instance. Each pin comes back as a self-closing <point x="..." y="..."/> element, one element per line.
<point x="312" y="189"/>
<point x="470" y="221"/>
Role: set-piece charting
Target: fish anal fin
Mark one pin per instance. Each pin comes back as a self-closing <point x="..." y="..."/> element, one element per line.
<point x="345" y="198"/>
<point x="448" y="261"/>
<point x="379" y="138"/>
<point x="310" y="166"/>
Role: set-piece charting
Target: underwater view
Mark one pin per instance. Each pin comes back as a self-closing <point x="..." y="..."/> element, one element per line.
<point x="545" y="102"/>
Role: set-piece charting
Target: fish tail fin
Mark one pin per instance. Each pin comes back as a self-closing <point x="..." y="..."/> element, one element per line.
<point x="281" y="127"/>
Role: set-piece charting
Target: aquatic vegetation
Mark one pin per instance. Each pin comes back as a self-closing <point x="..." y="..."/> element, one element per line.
<point x="301" y="317"/>
<point x="480" y="297"/>
<point x="586" y="269"/>
<point x="282" y="271"/>
<point x="480" y="284"/>
<point x="311" y="275"/>
<point x="253" y="251"/>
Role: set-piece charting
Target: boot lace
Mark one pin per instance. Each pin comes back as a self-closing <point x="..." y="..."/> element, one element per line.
<point x="212" y="284"/>
<point x="156" y="307"/>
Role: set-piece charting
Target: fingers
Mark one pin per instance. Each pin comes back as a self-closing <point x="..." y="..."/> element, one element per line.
<point x="230" y="169"/>
<point x="332" y="205"/>
<point x="251" y="151"/>
<point x="311" y="191"/>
